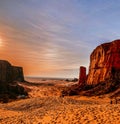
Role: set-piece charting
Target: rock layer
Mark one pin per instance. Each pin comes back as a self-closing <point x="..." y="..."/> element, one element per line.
<point x="105" y="63"/>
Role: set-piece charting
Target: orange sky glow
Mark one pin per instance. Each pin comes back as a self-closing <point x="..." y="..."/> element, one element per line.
<point x="52" y="38"/>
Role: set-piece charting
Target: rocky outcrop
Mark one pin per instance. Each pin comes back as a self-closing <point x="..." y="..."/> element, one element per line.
<point x="5" y="72"/>
<point x="105" y="63"/>
<point x="104" y="72"/>
<point x="9" y="73"/>
<point x="17" y="73"/>
<point x="82" y="75"/>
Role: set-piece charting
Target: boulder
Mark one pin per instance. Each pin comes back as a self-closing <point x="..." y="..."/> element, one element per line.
<point x="104" y="63"/>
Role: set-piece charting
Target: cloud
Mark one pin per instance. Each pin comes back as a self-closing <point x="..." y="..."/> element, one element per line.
<point x="55" y="36"/>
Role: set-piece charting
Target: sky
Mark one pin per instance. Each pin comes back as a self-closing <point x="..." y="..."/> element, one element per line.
<point x="53" y="38"/>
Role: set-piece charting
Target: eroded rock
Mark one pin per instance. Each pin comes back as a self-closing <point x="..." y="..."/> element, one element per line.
<point x="82" y="75"/>
<point x="105" y="63"/>
<point x="9" y="75"/>
<point x="17" y="73"/>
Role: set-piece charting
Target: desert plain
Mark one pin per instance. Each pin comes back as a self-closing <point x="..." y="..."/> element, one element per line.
<point x="45" y="105"/>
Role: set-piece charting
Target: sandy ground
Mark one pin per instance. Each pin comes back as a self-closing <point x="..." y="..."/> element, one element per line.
<point x="45" y="106"/>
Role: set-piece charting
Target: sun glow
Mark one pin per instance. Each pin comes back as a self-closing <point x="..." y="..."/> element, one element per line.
<point x="1" y="41"/>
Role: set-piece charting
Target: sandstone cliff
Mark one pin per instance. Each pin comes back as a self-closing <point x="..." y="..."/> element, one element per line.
<point x="5" y="71"/>
<point x="17" y="73"/>
<point x="104" y="73"/>
<point x="9" y="75"/>
<point x="105" y="63"/>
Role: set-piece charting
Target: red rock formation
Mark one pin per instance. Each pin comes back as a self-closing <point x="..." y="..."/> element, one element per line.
<point x="82" y="75"/>
<point x="105" y="63"/>
<point x="8" y="86"/>
<point x="17" y="73"/>
<point x="5" y="71"/>
<point x="9" y="73"/>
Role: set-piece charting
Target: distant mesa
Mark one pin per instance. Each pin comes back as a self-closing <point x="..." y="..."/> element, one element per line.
<point x="9" y="75"/>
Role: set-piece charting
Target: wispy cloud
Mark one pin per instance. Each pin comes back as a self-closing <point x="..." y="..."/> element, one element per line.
<point x="53" y="38"/>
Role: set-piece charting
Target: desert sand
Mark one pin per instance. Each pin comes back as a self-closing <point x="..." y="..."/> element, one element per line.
<point x="46" y="106"/>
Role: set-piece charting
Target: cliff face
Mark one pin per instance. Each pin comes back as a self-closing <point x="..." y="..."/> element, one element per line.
<point x="9" y="89"/>
<point x="105" y="63"/>
<point x="9" y="73"/>
<point x="17" y="73"/>
<point x="5" y="71"/>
